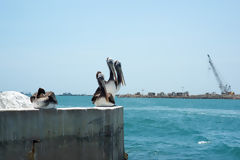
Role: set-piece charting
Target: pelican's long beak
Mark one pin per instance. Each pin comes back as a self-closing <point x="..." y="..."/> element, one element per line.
<point x="106" y="94"/>
<point x="114" y="72"/>
<point x="123" y="80"/>
<point x="110" y="63"/>
<point x="102" y="83"/>
<point x="122" y="76"/>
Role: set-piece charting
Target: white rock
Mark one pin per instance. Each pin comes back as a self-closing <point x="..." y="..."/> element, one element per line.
<point x="14" y="100"/>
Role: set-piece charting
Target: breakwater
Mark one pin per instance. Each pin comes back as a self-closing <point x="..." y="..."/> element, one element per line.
<point x="64" y="133"/>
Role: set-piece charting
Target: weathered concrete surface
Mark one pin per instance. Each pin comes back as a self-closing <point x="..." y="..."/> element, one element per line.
<point x="65" y="134"/>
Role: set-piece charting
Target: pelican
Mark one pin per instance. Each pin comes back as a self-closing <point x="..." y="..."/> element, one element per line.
<point x="111" y="84"/>
<point x="44" y="100"/>
<point x="120" y="77"/>
<point x="101" y="97"/>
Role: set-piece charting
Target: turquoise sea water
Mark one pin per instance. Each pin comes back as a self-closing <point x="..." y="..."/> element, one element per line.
<point x="170" y="129"/>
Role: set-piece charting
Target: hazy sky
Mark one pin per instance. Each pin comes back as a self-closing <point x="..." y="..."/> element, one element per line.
<point x="163" y="45"/>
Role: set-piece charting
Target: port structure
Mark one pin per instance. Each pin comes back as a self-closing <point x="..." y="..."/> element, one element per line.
<point x="225" y="88"/>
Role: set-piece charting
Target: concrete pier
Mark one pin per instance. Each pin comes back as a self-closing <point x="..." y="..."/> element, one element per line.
<point x="64" y="134"/>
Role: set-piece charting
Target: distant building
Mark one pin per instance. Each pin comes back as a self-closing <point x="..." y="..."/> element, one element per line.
<point x="213" y="93"/>
<point x="161" y="94"/>
<point x="151" y="94"/>
<point x="67" y="94"/>
<point x="179" y="94"/>
<point x="138" y="94"/>
<point x="186" y="94"/>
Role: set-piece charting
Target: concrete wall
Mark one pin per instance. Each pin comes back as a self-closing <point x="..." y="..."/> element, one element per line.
<point x="65" y="134"/>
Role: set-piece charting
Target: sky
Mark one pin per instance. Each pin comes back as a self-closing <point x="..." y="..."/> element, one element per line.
<point x="162" y="45"/>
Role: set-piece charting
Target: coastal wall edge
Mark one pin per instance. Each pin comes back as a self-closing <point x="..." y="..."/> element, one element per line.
<point x="64" y="133"/>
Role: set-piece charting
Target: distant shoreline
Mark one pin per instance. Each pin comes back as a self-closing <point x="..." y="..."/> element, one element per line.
<point x="217" y="96"/>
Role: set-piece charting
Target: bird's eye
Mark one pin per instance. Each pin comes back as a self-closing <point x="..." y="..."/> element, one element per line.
<point x="100" y="75"/>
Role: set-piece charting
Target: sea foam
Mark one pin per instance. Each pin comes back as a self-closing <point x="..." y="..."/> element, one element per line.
<point x="203" y="142"/>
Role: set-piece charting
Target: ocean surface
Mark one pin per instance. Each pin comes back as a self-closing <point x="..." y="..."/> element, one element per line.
<point x="176" y="129"/>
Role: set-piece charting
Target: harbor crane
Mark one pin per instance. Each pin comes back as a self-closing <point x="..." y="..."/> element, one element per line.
<point x="225" y="89"/>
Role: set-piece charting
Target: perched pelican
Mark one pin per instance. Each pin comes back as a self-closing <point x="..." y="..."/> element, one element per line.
<point x="120" y="77"/>
<point x="31" y="154"/>
<point x="101" y="97"/>
<point x="111" y="84"/>
<point x="44" y="100"/>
